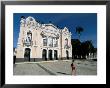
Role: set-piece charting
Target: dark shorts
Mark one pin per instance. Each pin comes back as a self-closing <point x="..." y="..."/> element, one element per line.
<point x="73" y="68"/>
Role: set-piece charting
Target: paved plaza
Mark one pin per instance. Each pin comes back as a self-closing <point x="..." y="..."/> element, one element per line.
<point x="56" y="67"/>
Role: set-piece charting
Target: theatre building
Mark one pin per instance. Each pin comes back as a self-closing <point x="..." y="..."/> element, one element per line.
<point x="42" y="42"/>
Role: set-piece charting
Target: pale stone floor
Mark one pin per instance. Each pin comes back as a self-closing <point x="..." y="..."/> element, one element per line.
<point x="59" y="67"/>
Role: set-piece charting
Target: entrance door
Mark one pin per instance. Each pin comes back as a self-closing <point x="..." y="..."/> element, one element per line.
<point x="55" y="54"/>
<point x="44" y="54"/>
<point x="27" y="54"/>
<point x="50" y="54"/>
<point x="67" y="54"/>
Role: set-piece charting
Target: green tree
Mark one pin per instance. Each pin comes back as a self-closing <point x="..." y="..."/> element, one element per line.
<point x="87" y="47"/>
<point x="82" y="48"/>
<point x="75" y="48"/>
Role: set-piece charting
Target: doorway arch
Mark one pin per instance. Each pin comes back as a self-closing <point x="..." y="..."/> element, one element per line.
<point x="55" y="55"/>
<point x="44" y="54"/>
<point x="67" y="54"/>
<point x="27" y="54"/>
<point x="50" y="54"/>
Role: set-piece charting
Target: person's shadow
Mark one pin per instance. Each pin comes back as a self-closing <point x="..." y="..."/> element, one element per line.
<point x="63" y="73"/>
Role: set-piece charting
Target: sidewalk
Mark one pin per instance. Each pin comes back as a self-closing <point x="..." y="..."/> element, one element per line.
<point x="59" y="67"/>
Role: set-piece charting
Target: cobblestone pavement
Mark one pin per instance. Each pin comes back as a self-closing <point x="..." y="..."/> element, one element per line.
<point x="60" y="67"/>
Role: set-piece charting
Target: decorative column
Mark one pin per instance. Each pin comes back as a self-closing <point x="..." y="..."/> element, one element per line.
<point x="53" y="54"/>
<point x="61" y="44"/>
<point x="47" y="55"/>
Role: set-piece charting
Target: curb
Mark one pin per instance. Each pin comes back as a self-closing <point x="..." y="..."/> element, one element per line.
<point x="40" y="62"/>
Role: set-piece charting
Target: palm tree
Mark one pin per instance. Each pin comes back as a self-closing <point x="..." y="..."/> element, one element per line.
<point x="79" y="29"/>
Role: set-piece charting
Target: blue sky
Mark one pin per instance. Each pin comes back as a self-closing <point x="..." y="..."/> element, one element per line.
<point x="71" y="20"/>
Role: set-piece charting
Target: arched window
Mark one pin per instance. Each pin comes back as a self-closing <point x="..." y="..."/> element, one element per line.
<point x="30" y="19"/>
<point x="66" y="41"/>
<point x="28" y="39"/>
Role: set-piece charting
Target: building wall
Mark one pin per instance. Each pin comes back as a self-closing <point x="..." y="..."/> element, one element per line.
<point x="39" y="31"/>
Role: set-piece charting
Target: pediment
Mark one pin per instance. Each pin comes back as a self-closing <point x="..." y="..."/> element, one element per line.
<point x="50" y="31"/>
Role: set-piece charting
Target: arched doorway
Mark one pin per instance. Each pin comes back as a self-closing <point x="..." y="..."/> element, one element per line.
<point x="44" y="54"/>
<point x="27" y="54"/>
<point x="67" y="54"/>
<point x="55" y="55"/>
<point x="50" y="54"/>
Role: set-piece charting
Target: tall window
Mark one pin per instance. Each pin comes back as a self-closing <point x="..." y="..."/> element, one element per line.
<point x="50" y="41"/>
<point x="55" y="42"/>
<point x="66" y="44"/>
<point x="28" y="39"/>
<point x="45" y="41"/>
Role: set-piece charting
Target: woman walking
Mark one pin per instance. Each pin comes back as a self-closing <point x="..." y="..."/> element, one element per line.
<point x="73" y="72"/>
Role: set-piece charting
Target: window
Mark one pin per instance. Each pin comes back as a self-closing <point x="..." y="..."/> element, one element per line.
<point x="66" y="44"/>
<point x="55" y="42"/>
<point x="45" y="42"/>
<point x="50" y="41"/>
<point x="28" y="39"/>
<point x="31" y="19"/>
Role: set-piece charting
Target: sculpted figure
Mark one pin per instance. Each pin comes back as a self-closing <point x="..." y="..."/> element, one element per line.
<point x="22" y="22"/>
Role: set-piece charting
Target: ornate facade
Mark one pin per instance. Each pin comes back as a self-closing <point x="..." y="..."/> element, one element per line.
<point x="42" y="41"/>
